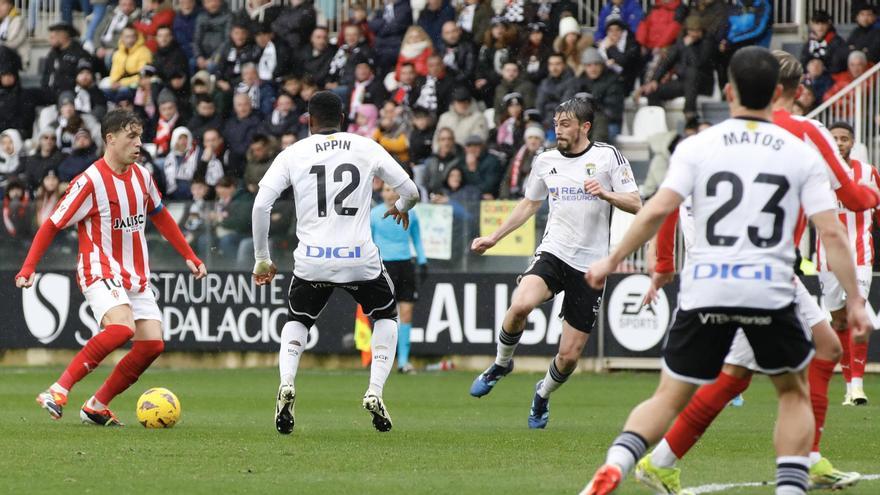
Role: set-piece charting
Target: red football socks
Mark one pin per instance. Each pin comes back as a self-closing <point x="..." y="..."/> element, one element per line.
<point x="95" y="350"/>
<point x="859" y="358"/>
<point x="819" y="375"/>
<point x="129" y="369"/>
<point x="703" y="408"/>
<point x="845" y="359"/>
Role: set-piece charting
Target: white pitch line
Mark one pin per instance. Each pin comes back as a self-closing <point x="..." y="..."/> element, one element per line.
<point x="720" y="487"/>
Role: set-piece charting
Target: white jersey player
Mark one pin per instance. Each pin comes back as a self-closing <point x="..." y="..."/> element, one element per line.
<point x="331" y="173"/>
<point x="749" y="180"/>
<point x="584" y="181"/>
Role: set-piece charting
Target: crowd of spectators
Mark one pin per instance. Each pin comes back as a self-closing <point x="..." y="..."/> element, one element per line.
<point x="461" y="93"/>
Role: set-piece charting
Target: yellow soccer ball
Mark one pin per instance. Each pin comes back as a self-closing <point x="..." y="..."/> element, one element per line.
<point x="158" y="408"/>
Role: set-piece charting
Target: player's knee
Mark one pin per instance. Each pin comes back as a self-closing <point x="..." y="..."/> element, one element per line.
<point x="830" y="351"/>
<point x="520" y="309"/>
<point x="567" y="361"/>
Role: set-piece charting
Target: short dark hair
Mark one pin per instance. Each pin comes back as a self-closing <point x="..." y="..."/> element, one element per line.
<point x="164" y="26"/>
<point x="226" y="181"/>
<point x="840" y="124"/>
<point x="754" y="72"/>
<point x="205" y="99"/>
<point x="119" y="120"/>
<point x="581" y="108"/>
<point x="557" y="54"/>
<point x="325" y="110"/>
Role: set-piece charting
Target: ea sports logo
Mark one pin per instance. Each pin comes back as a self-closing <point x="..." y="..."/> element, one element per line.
<point x="637" y="328"/>
<point x="46" y="306"/>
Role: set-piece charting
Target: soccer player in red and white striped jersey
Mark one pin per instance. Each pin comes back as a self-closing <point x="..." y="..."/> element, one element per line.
<point x="858" y="225"/>
<point x="109" y="203"/>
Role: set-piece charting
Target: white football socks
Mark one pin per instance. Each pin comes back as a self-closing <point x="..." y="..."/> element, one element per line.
<point x="662" y="455"/>
<point x="506" y="346"/>
<point x="384" y="346"/>
<point x="293" y="342"/>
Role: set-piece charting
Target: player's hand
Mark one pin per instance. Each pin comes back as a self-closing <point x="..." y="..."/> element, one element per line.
<point x="199" y="272"/>
<point x="593" y="187"/>
<point x="857" y="319"/>
<point x="399" y="216"/>
<point x="264" y="272"/>
<point x="658" y="280"/>
<point x="482" y="244"/>
<point x="598" y="272"/>
<point x="23" y="282"/>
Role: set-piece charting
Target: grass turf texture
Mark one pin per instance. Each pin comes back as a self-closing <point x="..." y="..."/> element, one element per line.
<point x="444" y="441"/>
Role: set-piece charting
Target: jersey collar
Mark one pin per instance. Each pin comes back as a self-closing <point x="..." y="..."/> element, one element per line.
<point x="756" y="119"/>
<point x="575" y="155"/>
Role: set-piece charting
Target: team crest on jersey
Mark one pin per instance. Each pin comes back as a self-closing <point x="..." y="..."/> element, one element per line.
<point x="590" y="168"/>
<point x="751" y="125"/>
<point x="130" y="223"/>
<point x="114" y="293"/>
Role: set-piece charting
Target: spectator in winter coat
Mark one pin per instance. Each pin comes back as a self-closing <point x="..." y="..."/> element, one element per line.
<point x="389" y="25"/>
<point x="533" y="54"/>
<point x="857" y="64"/>
<point x="13" y="31"/>
<point x="17" y="214"/>
<point x="169" y="58"/>
<point x="16" y="103"/>
<point x="447" y="156"/>
<point x="866" y="35"/>
<point x="129" y="58"/>
<point x="689" y="67"/>
<point x="406" y="91"/>
<point x="463" y="117"/>
<point x="213" y="158"/>
<point x="552" y="89"/>
<point x="750" y="23"/>
<point x="481" y="168"/>
<point x="237" y="51"/>
<point x="415" y="49"/>
<point x="89" y="98"/>
<point x="432" y="18"/>
<point x="393" y="131"/>
<point x="82" y="156"/>
<point x="550" y="12"/>
<point x="436" y="89"/>
<point x="296" y="22"/>
<point x="606" y="89"/>
<point x="261" y="93"/>
<point x="514" y="180"/>
<point x="180" y="165"/>
<point x="358" y="17"/>
<point x="314" y="58"/>
<point x="421" y="137"/>
<point x="206" y="117"/>
<point x="367" y="88"/>
<point x="630" y="11"/>
<point x="232" y="217"/>
<point x="275" y="56"/>
<point x="622" y="53"/>
<point x="260" y="154"/>
<point x="366" y="121"/>
<point x="572" y="43"/>
<point x="660" y="29"/>
<point x="284" y="118"/>
<point x="11" y="161"/>
<point x="258" y="12"/>
<point x="212" y="30"/>
<point x="474" y="19"/>
<point x="499" y="46"/>
<point x="184" y="28"/>
<point x="825" y="43"/>
<point x="106" y="37"/>
<point x="512" y="82"/>
<point x="817" y="79"/>
<point x="47" y="157"/>
<point x="238" y="133"/>
<point x="352" y="48"/>
<point x="61" y="65"/>
<point x="459" y="55"/>
<point x="160" y="129"/>
<point x="156" y="14"/>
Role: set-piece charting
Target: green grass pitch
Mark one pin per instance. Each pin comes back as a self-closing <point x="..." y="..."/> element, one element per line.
<point x="444" y="441"/>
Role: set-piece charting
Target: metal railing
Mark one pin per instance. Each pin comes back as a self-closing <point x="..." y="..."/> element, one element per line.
<point x="859" y="104"/>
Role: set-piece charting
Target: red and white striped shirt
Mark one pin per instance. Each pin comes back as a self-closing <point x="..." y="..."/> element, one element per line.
<point x="110" y="211"/>
<point x="858" y="224"/>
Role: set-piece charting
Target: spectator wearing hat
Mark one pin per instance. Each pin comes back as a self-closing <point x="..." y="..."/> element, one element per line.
<point x="314" y="58"/>
<point x="366" y="121"/>
<point x="621" y="52"/>
<point x="660" y="28"/>
<point x="436" y="89"/>
<point x="284" y="118"/>
<point x="46" y="158"/>
<point x="750" y="23"/>
<point x="169" y="58"/>
<point x="571" y="42"/>
<point x="459" y="54"/>
<point x="367" y="88"/>
<point x="513" y="82"/>
<point x="129" y="58"/>
<point x="261" y="93"/>
<point x="237" y="51"/>
<point x="17" y="104"/>
<point x="463" y="117"/>
<point x="275" y="56"/>
<point x="88" y="97"/>
<point x="421" y="137"/>
<point x="685" y="71"/>
<point x="500" y="44"/>
<point x="105" y="38"/>
<point x="551" y="91"/>
<point x="389" y="25"/>
<point x="865" y="36"/>
<point x="239" y="131"/>
<point x="447" y="155"/>
<point x="83" y="154"/>
<point x="351" y="51"/>
<point x="605" y="89"/>
<point x="184" y="28"/>
<point x="825" y="43"/>
<point x="432" y="18"/>
<point x="507" y="137"/>
<point x="534" y="53"/>
<point x="514" y="180"/>
<point x="168" y="118"/>
<point x="481" y="168"/>
<point x="180" y="165"/>
<point x="11" y="162"/>
<point x="13" y="31"/>
<point x="629" y="11"/>
<point x="59" y="73"/>
<point x="66" y="121"/>
<point x="212" y="30"/>
<point x="296" y="22"/>
<point x="155" y="14"/>
<point x="475" y="18"/>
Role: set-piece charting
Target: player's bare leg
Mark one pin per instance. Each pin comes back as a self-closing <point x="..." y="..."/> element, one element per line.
<point x="146" y="347"/>
<point x="531" y="292"/>
<point x="793" y="436"/>
<point x="571" y="346"/>
<point x="645" y="425"/>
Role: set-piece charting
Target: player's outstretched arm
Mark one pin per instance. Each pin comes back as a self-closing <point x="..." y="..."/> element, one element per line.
<point x="643" y="228"/>
<point x="47" y="232"/>
<point x="264" y="269"/>
<point x="166" y="226"/>
<point x="522" y="212"/>
<point x="840" y="259"/>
